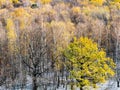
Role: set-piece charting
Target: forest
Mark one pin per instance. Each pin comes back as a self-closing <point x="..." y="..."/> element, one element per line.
<point x="49" y="44"/>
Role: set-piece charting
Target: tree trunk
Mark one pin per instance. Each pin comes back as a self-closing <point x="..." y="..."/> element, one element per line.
<point x="34" y="83"/>
<point x="118" y="84"/>
<point x="58" y="82"/>
<point x="81" y="88"/>
<point x="72" y="87"/>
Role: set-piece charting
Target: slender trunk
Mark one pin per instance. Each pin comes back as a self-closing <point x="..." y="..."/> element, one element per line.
<point x="58" y="82"/>
<point x="118" y="84"/>
<point x="72" y="87"/>
<point x="81" y="88"/>
<point x="34" y="83"/>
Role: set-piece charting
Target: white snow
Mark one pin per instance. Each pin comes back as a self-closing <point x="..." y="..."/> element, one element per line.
<point x="109" y="85"/>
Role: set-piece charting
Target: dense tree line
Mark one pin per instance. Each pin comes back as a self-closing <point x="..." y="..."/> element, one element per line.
<point x="37" y="39"/>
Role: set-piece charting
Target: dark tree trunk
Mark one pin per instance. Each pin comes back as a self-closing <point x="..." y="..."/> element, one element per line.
<point x="118" y="84"/>
<point x="34" y="83"/>
<point x="58" y="82"/>
<point x="72" y="87"/>
<point x="81" y="88"/>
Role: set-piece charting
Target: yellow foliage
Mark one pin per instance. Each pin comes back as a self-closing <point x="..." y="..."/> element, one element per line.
<point x="115" y="4"/>
<point x="15" y="1"/>
<point x="10" y="30"/>
<point x="2" y="2"/>
<point x="97" y="2"/>
<point x="7" y="2"/>
<point x="22" y="15"/>
<point x="11" y="35"/>
<point x="86" y="10"/>
<point x="33" y="1"/>
<point x="66" y="30"/>
<point x="62" y="32"/>
<point x="84" y="2"/>
<point x="89" y="64"/>
<point x="116" y="1"/>
<point x="76" y="10"/>
<point x="22" y="24"/>
<point x="20" y="12"/>
<point x="45" y="1"/>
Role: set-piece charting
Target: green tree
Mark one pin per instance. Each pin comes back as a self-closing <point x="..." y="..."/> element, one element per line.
<point x="87" y="64"/>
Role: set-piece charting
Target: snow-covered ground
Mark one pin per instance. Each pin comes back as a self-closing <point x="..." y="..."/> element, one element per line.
<point x="109" y="85"/>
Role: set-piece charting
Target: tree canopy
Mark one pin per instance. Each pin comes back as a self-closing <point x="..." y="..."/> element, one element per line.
<point x="87" y="64"/>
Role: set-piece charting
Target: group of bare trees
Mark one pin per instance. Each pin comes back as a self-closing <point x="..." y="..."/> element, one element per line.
<point x="32" y="40"/>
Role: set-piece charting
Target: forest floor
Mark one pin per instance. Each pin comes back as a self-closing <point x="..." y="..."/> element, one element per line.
<point x="109" y="85"/>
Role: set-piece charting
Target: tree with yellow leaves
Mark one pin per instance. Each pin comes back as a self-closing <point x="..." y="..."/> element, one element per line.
<point x="87" y="64"/>
<point x="45" y="1"/>
<point x="41" y="1"/>
<point x="97" y="2"/>
<point x="116" y="0"/>
<point x="2" y="2"/>
<point x="7" y="3"/>
<point x="21" y="15"/>
<point x="11" y="34"/>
